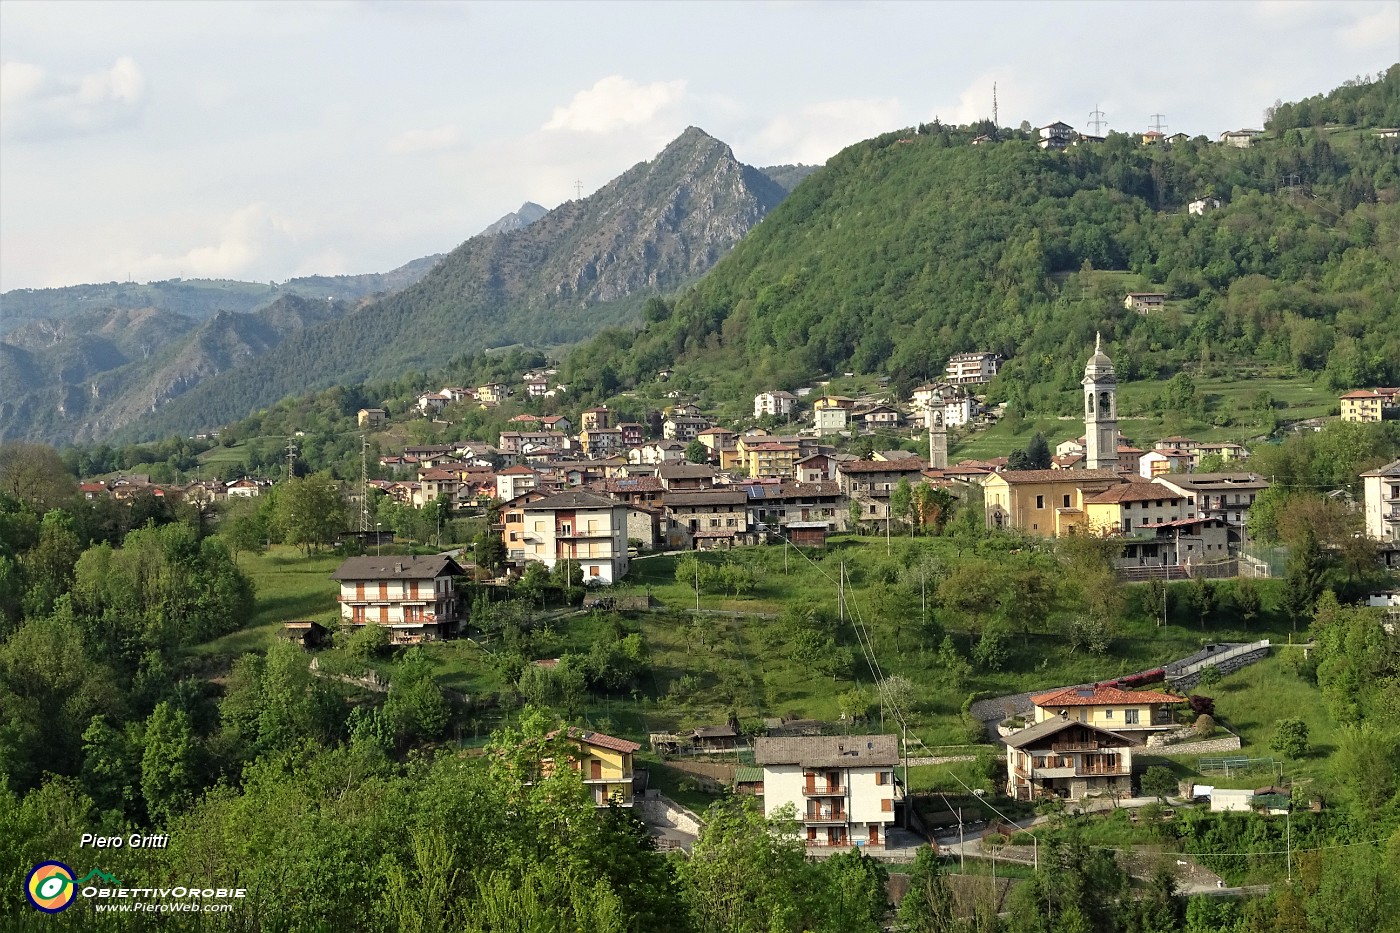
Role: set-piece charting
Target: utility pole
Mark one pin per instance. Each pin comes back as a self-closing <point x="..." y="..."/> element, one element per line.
<point x="962" y="844"/>
<point x="996" y="118"/>
<point x="1097" y="121"/>
<point x="291" y="455"/>
<point x="364" y="485"/>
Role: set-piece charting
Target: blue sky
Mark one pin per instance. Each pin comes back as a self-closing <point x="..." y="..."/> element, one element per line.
<point x="267" y="140"/>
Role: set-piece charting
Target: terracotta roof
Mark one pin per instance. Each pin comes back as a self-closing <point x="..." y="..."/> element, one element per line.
<point x="1099" y="696"/>
<point x="1132" y="492"/>
<point x="1058" y="476"/>
<point x="599" y="739"/>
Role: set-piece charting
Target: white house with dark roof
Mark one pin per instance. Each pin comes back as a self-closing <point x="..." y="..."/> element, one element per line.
<point x="843" y="787"/>
<point x="413" y="597"/>
<point x="580" y="527"/>
<point x="1063" y="757"/>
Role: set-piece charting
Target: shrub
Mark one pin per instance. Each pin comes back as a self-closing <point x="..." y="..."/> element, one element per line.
<point x="1205" y="726"/>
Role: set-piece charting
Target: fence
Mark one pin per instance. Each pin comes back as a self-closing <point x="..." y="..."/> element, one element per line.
<point x="1218" y="659"/>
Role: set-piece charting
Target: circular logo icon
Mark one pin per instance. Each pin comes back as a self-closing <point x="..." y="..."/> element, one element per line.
<point x="50" y="887"/>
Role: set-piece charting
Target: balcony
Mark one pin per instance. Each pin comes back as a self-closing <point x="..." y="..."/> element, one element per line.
<point x="825" y="816"/>
<point x="1115" y="770"/>
<point x="824" y="789"/>
<point x="1061" y="748"/>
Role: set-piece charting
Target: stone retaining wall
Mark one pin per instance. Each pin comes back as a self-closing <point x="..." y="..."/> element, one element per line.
<point x="1227" y="744"/>
<point x="1228" y="666"/>
<point x="658" y="810"/>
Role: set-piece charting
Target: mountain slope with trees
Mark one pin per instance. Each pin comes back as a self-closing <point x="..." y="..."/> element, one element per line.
<point x="583" y="266"/>
<point x="915" y="245"/>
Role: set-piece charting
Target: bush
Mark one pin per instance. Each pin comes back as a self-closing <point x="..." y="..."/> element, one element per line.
<point x="1205" y="726"/>
<point x="1291" y="738"/>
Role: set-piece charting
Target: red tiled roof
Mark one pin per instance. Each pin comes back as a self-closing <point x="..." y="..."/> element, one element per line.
<point x="1099" y="696"/>
<point x="599" y="739"/>
<point x="1058" y="476"/>
<point x="1132" y="492"/>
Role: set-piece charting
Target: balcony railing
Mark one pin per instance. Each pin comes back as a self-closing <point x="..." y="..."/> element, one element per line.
<point x="1101" y="770"/>
<point x="825" y="816"/>
<point x="823" y="789"/>
<point x="1060" y="748"/>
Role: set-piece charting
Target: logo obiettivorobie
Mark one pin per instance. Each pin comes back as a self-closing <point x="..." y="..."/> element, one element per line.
<point x="50" y="887"/>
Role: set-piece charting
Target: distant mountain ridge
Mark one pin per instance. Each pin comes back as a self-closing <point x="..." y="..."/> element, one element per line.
<point x="585" y="265"/>
<point x="517" y="220"/>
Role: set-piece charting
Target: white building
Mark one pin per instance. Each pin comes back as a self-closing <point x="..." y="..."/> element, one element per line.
<point x="1201" y="205"/>
<point x="972" y="368"/>
<point x="1382" y="493"/>
<point x="515" y="480"/>
<point x="842" y="787"/>
<point x="1055" y="136"/>
<point x="779" y="404"/>
<point x="830" y="420"/>
<point x="583" y="527"/>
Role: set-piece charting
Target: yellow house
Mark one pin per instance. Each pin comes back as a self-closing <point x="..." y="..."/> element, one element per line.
<point x="1048" y="503"/>
<point x="771" y="459"/>
<point x="1125" y="508"/>
<point x="1110" y="708"/>
<point x="605" y="763"/>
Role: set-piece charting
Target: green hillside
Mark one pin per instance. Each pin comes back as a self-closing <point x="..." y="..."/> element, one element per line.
<point x="910" y="247"/>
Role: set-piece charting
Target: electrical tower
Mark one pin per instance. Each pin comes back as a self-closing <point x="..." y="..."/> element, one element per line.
<point x="996" y="118"/>
<point x="1097" y="121"/>
<point x="291" y="455"/>
<point x="1159" y="125"/>
<point x="578" y="189"/>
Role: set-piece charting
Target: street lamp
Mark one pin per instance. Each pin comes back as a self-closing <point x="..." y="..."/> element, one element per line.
<point x="378" y="540"/>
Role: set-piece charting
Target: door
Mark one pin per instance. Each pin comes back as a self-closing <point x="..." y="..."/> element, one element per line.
<point x="874" y="834"/>
<point x="595" y="769"/>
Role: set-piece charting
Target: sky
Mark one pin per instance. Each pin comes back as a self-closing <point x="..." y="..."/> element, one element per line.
<point x="262" y="141"/>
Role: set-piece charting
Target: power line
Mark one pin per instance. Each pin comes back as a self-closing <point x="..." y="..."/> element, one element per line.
<point x="1097" y="121"/>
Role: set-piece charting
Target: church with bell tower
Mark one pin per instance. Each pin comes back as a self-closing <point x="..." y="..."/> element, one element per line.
<point x="1100" y="411"/>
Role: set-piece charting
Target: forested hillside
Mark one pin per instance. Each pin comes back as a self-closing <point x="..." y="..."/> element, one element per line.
<point x="916" y="245"/>
<point x="584" y="265"/>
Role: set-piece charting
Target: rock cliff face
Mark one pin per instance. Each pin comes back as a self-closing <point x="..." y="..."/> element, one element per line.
<point x="583" y="266"/>
<point x="516" y="220"/>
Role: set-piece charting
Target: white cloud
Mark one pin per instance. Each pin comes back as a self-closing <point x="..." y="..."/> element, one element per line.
<point x="413" y="142"/>
<point x="615" y="102"/>
<point x="249" y="237"/>
<point x="42" y="105"/>
<point x="1378" y="28"/>
<point x="821" y="130"/>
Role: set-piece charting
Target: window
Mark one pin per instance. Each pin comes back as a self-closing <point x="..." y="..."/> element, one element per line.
<point x="1130" y="717"/>
<point x="887" y="805"/>
<point x="593" y="571"/>
<point x="1066" y="501"/>
<point x="1108" y="714"/>
<point x="1040" y="502"/>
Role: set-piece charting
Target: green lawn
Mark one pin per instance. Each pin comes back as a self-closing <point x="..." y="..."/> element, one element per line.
<point x="289" y="587"/>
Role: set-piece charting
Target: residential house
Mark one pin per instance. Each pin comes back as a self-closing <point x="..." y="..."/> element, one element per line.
<point x="580" y="527"/>
<point x="716" y="439"/>
<point x="1153" y="138"/>
<point x="843" y="787"/>
<point x="1048" y="503"/>
<point x="679" y="476"/>
<point x="537" y="387"/>
<point x="684" y="410"/>
<point x="493" y="392"/>
<point x="414" y="597"/>
<point x="972" y="368"/>
<point x="1240" y="139"/>
<point x="1129" y="458"/>
<point x="95" y="490"/>
<point x="1181" y="542"/>
<point x="1134" y="713"/>
<point x="605" y="764"/>
<point x="874" y="417"/>
<point x="777" y="404"/>
<point x="1226" y="496"/>
<point x="592" y="419"/>
<point x="870" y="482"/>
<point x="684" y="427"/>
<point x="436" y="483"/>
<point x="244" y="488"/>
<point x="515" y="480"/>
<point x="1125" y="507"/>
<point x="1201" y="205"/>
<point x="1145" y="302"/>
<point x="1370" y="405"/>
<point x="1055" y="136"/>
<point x="558" y="423"/>
<point x="830" y="420"/>
<point x="371" y="417"/>
<point x="815" y="468"/>
<point x="771" y="459"/>
<point x="1065" y="758"/>
<point x="457" y="393"/>
<point x="776" y="507"/>
<point x="1157" y="463"/>
<point x="834" y="401"/>
<point x="1381" y="489"/>
<point x="512" y="524"/>
<point x="657" y="452"/>
<point x="1223" y="450"/>
<point x="706" y="519"/>
<point x="632" y="433"/>
<point x="600" y="443"/>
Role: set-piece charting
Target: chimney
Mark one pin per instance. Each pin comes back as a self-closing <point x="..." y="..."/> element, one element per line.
<point x="398" y="568"/>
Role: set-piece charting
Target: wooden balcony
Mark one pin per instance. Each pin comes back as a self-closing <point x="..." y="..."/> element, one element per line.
<point x="1061" y="748"/>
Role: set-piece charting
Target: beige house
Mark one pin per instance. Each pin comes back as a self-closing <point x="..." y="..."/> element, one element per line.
<point x="1369" y="405"/>
<point x="843" y="787"/>
<point x="414" y="597"/>
<point x="1382" y="494"/>
<point x="1145" y="302"/>
<point x="371" y="417"/>
<point x="1122" y="711"/>
<point x="972" y="368"/>
<point x="1062" y="757"/>
<point x="1048" y="503"/>
<point x="708" y="518"/>
<point x="581" y="527"/>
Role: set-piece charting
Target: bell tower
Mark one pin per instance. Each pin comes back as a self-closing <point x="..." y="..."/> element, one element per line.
<point x="937" y="432"/>
<point x="1100" y="411"/>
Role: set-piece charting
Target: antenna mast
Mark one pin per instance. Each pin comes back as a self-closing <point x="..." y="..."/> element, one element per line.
<point x="996" y="120"/>
<point x="364" y="485"/>
<point x="1097" y="121"/>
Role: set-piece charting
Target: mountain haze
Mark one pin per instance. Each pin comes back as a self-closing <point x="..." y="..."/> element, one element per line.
<point x="584" y="265"/>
